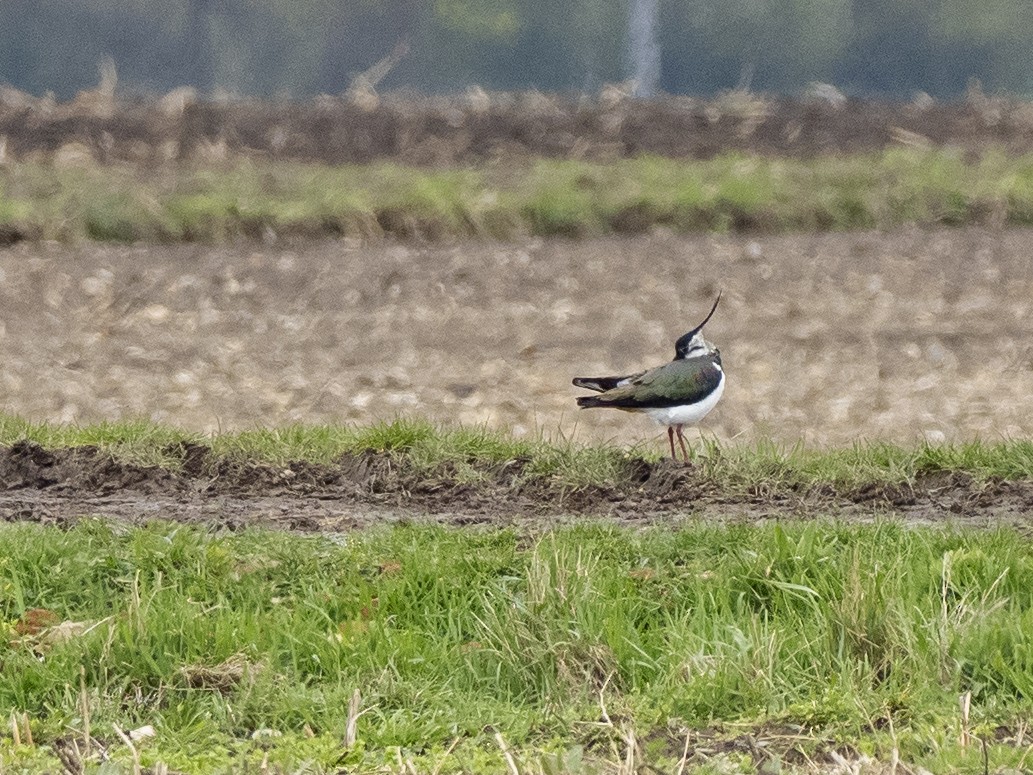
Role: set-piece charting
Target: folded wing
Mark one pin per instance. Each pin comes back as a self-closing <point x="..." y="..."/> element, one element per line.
<point x="676" y="384"/>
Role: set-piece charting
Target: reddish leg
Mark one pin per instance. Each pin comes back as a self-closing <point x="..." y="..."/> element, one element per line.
<point x="681" y="440"/>
<point x="670" y="437"/>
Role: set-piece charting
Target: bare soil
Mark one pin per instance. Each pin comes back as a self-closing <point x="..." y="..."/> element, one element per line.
<point x="63" y="486"/>
<point x="496" y="127"/>
<point x="826" y="339"/>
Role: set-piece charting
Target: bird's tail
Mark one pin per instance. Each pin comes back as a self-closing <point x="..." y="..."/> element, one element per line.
<point x="599" y="384"/>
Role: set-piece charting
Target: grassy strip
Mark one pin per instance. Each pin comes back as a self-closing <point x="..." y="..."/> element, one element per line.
<point x="471" y="454"/>
<point x="243" y="647"/>
<point x="730" y="192"/>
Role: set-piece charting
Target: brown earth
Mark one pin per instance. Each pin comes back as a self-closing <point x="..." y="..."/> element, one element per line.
<point x="63" y="486"/>
<point x="826" y="339"/>
<point x="480" y="127"/>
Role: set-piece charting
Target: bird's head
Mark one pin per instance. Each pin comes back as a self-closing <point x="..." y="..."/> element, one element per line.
<point x="692" y="344"/>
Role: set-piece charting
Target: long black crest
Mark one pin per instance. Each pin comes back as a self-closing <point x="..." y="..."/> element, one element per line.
<point x="682" y="345"/>
<point x="706" y="320"/>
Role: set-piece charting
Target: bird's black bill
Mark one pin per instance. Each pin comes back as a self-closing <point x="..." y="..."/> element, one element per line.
<point x="710" y="314"/>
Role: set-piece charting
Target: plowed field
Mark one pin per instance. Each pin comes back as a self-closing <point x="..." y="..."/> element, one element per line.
<point x="827" y="339"/>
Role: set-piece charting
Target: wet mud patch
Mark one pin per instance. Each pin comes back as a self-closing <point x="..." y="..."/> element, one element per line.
<point x="361" y="489"/>
<point x="28" y="466"/>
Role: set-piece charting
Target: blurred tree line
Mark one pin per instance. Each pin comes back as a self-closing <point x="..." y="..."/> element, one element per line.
<point x="305" y="47"/>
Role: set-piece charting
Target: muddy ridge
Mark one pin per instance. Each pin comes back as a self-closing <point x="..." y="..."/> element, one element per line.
<point x="358" y="490"/>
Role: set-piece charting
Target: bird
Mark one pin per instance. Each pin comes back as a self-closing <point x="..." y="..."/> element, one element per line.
<point x="676" y="394"/>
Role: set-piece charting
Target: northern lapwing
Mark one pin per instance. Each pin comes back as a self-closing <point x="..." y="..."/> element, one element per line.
<point x="677" y="394"/>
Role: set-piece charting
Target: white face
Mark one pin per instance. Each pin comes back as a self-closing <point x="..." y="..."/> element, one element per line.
<point x="698" y="346"/>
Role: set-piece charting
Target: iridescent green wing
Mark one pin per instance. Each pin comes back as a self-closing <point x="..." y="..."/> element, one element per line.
<point x="676" y="384"/>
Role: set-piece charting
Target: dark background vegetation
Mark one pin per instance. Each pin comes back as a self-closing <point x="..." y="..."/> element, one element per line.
<point x="885" y="48"/>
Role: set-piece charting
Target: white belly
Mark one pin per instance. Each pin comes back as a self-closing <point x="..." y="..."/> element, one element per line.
<point x="688" y="415"/>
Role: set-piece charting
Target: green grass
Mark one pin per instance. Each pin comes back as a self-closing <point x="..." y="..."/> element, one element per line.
<point x="728" y="193"/>
<point x="473" y="454"/>
<point x="568" y="643"/>
<point x="775" y="643"/>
